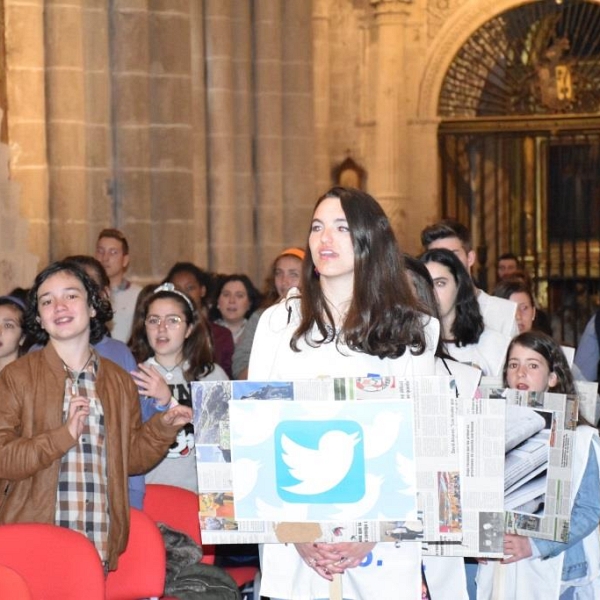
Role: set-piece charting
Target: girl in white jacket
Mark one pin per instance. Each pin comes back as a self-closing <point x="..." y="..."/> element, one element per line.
<point x="356" y="317"/>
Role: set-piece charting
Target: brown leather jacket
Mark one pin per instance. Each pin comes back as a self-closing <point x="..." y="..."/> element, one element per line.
<point x="33" y="439"/>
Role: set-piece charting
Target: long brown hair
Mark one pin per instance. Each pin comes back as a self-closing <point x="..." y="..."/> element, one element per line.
<point x="383" y="318"/>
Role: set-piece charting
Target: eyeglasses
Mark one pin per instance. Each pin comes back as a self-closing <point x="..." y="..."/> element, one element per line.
<point x="170" y="321"/>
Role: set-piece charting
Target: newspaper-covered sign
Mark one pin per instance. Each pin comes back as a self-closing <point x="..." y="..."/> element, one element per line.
<point x="589" y="407"/>
<point x="435" y="465"/>
<point x="480" y="442"/>
<point x="539" y="439"/>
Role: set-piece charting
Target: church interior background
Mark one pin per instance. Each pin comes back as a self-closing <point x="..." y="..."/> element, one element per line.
<point x="206" y="129"/>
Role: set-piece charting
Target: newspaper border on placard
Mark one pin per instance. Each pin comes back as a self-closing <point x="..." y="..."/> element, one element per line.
<point x="215" y="478"/>
<point x="555" y="522"/>
<point x="437" y="462"/>
<point x="481" y="448"/>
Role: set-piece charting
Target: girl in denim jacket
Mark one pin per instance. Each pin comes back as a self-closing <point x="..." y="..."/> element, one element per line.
<point x="543" y="569"/>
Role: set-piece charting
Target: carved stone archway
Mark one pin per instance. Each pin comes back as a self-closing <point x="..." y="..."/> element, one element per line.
<point x="513" y="134"/>
<point x="453" y="35"/>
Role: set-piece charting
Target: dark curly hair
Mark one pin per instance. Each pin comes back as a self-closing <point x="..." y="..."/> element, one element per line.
<point x="95" y="300"/>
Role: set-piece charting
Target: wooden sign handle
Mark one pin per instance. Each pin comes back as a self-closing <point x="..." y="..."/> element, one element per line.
<point x="335" y="587"/>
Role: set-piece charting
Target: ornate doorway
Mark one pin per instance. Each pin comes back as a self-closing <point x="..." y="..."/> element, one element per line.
<point x="519" y="151"/>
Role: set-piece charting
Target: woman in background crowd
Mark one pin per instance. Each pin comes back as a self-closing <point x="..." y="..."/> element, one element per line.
<point x="285" y="274"/>
<point x="528" y="315"/>
<point x="464" y="335"/>
<point x="237" y="299"/>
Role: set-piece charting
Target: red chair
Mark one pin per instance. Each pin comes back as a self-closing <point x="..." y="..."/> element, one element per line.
<point x="178" y="508"/>
<point x="12" y="585"/>
<point x="174" y="506"/>
<point x="55" y="562"/>
<point x="142" y="567"/>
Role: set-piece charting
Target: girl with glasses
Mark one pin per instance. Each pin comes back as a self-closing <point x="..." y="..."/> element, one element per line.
<point x="173" y="348"/>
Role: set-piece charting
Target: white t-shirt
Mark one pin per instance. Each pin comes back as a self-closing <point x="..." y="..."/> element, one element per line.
<point x="488" y="354"/>
<point x="388" y="571"/>
<point x="498" y="314"/>
<point x="273" y="359"/>
<point x="123" y="304"/>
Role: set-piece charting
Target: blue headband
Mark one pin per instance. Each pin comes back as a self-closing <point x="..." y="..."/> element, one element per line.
<point x="14" y="300"/>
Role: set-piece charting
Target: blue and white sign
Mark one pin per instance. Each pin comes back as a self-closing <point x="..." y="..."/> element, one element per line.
<point x="322" y="461"/>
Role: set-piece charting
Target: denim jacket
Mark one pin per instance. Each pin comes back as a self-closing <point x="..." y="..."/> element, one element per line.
<point x="585" y="516"/>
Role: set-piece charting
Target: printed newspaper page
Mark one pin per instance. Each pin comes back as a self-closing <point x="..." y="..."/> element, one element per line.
<point x="431" y="465"/>
<point x="481" y="451"/>
<point x="589" y="407"/>
<point x="538" y="467"/>
<point x="437" y="458"/>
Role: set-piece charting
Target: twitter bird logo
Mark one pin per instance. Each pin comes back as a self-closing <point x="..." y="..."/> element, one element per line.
<point x="320" y="462"/>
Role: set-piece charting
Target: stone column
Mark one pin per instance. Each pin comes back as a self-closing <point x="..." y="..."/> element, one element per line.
<point x="152" y="197"/>
<point x="78" y="122"/>
<point x="170" y="136"/>
<point x="27" y="193"/>
<point x="220" y="107"/>
<point x="284" y="126"/>
<point x="300" y="181"/>
<point x="388" y="173"/>
<point x="321" y="23"/>
<point x="269" y="127"/>
<point x="246" y="113"/>
<point x="17" y="267"/>
<point x="422" y="181"/>
<point x="199" y="245"/>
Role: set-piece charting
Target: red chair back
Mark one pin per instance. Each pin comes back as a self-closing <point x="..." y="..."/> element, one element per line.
<point x="178" y="508"/>
<point x="55" y="562"/>
<point x="12" y="585"/>
<point x="141" y="569"/>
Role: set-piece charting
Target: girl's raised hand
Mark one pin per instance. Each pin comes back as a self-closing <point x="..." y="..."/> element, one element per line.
<point x="151" y="383"/>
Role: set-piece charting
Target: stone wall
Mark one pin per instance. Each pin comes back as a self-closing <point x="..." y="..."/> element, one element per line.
<point x="205" y="130"/>
<point x="17" y="267"/>
<point x="188" y="124"/>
